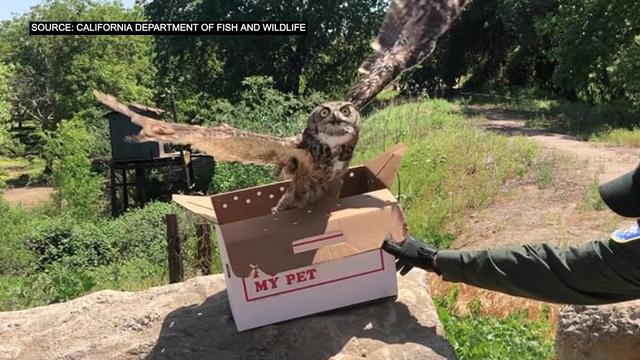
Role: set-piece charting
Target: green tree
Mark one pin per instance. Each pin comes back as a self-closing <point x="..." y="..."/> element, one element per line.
<point x="326" y="59"/>
<point x="6" y="143"/>
<point x="55" y="75"/>
<point x="596" y="48"/>
<point x="79" y="192"/>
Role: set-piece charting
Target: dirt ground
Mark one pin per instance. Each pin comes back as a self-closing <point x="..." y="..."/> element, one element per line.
<point x="526" y="212"/>
<point x="28" y="196"/>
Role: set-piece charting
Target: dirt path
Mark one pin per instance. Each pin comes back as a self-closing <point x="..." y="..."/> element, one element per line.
<point x="558" y="210"/>
<point x="609" y="162"/>
<point x="28" y="196"/>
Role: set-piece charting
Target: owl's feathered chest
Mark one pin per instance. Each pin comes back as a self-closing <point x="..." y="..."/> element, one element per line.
<point x="330" y="153"/>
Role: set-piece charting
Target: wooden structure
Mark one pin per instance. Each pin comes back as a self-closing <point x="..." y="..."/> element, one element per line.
<point x="139" y="158"/>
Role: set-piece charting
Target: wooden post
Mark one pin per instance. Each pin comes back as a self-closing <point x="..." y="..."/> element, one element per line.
<point x="114" y="190"/>
<point x="140" y="185"/>
<point x="174" y="250"/>
<point x="203" y="249"/>
<point x="125" y="190"/>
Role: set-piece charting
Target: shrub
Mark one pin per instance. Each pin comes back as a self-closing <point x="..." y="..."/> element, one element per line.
<point x="233" y="176"/>
<point x="85" y="244"/>
<point x="477" y="336"/>
<point x="56" y="259"/>
<point x="79" y="191"/>
<point x="51" y="241"/>
<point x="15" y="257"/>
<point x="62" y="282"/>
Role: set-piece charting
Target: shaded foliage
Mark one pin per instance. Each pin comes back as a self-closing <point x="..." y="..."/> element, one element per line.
<point x="78" y="191"/>
<point x="597" y="49"/>
<point x="325" y="59"/>
<point x="585" y="50"/>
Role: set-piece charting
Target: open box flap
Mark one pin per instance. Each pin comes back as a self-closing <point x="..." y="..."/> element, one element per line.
<point x="385" y="166"/>
<point x="199" y="205"/>
<point x="290" y="240"/>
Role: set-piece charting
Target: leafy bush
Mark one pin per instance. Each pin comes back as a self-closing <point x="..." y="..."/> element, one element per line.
<point x="233" y="176"/>
<point x="47" y="260"/>
<point x="79" y="191"/>
<point x="50" y="241"/>
<point x="62" y="282"/>
<point x="15" y="257"/>
<point x="477" y="336"/>
<point x="85" y="244"/>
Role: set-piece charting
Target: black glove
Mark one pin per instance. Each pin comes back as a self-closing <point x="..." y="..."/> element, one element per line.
<point x="409" y="253"/>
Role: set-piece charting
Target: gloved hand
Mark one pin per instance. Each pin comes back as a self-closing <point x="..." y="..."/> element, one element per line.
<point x="411" y="252"/>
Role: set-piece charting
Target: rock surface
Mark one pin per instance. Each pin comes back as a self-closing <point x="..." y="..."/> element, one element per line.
<point x="599" y="332"/>
<point x="192" y="320"/>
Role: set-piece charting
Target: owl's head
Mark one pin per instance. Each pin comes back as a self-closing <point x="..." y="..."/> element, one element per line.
<point x="335" y="118"/>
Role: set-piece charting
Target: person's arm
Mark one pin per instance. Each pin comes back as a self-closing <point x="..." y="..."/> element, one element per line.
<point x="597" y="272"/>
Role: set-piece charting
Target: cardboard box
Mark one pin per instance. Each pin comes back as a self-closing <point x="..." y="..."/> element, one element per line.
<point x="305" y="261"/>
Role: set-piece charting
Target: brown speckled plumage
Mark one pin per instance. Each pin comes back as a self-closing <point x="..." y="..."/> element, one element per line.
<point x="407" y="37"/>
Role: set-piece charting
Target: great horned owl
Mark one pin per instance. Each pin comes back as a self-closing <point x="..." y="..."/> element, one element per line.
<point x="314" y="162"/>
<point x="317" y="161"/>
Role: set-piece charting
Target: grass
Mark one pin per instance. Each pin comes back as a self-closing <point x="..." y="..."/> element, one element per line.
<point x="545" y="176"/>
<point x="387" y="94"/>
<point x="450" y="168"/>
<point x="478" y="336"/>
<point x="20" y="172"/>
<point x="619" y="137"/>
<point x="591" y="199"/>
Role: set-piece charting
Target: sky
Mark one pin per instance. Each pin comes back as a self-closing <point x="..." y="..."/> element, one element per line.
<point x="9" y="8"/>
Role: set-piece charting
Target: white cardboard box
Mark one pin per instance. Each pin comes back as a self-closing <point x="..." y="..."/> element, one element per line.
<point x="305" y="261"/>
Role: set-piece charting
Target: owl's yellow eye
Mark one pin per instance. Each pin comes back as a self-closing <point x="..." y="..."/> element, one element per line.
<point x="346" y="111"/>
<point x="324" y="112"/>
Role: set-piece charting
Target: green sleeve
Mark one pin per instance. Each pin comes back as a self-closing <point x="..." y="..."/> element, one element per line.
<point x="597" y="272"/>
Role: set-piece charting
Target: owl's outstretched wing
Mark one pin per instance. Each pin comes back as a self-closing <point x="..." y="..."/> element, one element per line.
<point x="407" y="37"/>
<point x="223" y="142"/>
